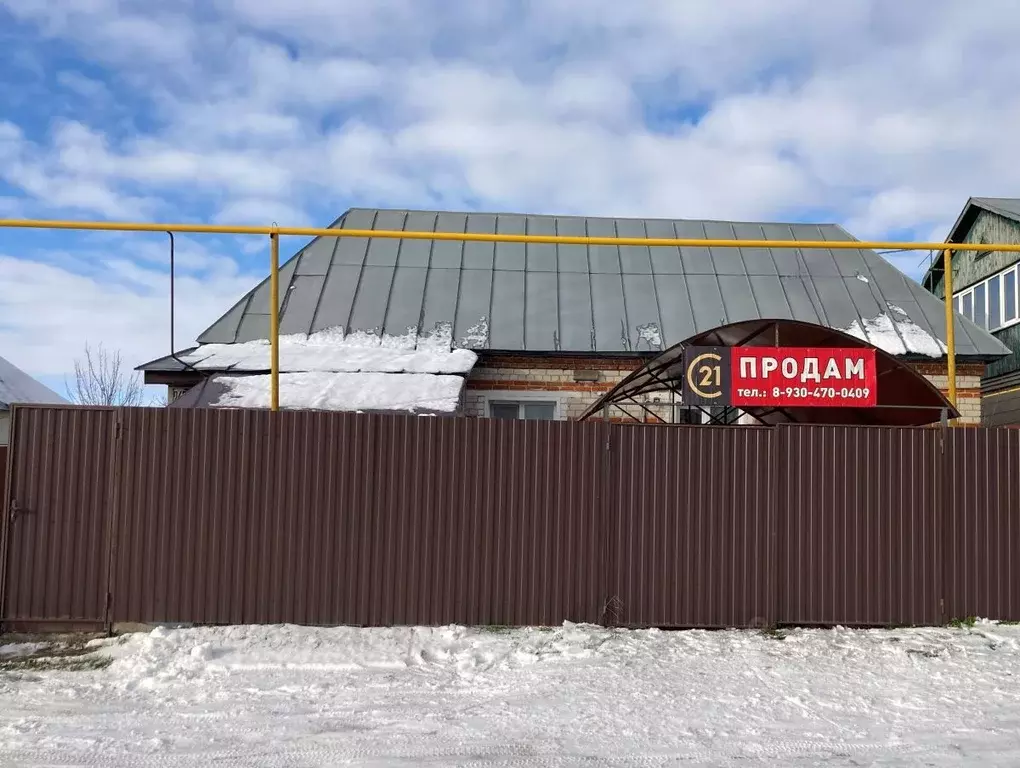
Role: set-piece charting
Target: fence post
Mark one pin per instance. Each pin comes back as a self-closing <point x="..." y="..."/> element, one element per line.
<point x="776" y="438"/>
<point x="606" y="564"/>
<point x="6" y="481"/>
<point x="113" y="495"/>
<point x="943" y="469"/>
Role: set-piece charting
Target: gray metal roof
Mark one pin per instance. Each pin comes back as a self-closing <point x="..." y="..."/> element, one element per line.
<point x="16" y="386"/>
<point x="577" y="298"/>
<point x="1004" y="206"/>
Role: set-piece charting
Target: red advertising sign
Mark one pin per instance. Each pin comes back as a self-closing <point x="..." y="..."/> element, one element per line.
<point x="803" y="376"/>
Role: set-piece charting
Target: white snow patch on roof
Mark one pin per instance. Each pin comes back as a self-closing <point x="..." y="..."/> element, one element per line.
<point x="896" y="334"/>
<point x="650" y="335"/>
<point x="331" y="350"/>
<point x="328" y="391"/>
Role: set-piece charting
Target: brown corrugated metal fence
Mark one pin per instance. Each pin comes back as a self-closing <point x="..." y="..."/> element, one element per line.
<point x="321" y="518"/>
<point x="858" y="541"/>
<point x="236" y="516"/>
<point x="690" y="543"/>
<point x="982" y="524"/>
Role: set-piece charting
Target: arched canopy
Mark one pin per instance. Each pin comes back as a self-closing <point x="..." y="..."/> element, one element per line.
<point x="905" y="397"/>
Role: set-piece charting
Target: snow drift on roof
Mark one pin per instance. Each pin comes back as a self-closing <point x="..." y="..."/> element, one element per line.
<point x="328" y="391"/>
<point x="896" y="334"/>
<point x="331" y="350"/>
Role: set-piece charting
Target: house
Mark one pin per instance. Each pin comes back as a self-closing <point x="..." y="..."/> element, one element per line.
<point x="16" y="386"/>
<point x="986" y="290"/>
<point x="513" y="330"/>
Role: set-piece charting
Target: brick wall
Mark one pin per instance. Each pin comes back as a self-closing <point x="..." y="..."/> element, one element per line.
<point x="558" y="378"/>
<point x="968" y="387"/>
<point x="574" y="384"/>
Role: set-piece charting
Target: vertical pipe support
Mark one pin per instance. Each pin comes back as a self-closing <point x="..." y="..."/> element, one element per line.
<point x="947" y="295"/>
<point x="274" y="321"/>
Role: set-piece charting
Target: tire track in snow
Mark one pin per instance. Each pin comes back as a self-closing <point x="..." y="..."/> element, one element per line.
<point x="480" y="756"/>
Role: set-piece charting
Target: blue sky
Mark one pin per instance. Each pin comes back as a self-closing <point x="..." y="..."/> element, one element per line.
<point x="884" y="117"/>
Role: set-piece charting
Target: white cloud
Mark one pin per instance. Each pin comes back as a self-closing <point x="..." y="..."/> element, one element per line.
<point x="49" y="312"/>
<point x="86" y="87"/>
<point x="882" y="116"/>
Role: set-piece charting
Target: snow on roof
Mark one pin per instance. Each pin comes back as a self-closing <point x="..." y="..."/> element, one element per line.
<point x="331" y="350"/>
<point x="16" y="386"/>
<point x="330" y="391"/>
<point x="896" y="334"/>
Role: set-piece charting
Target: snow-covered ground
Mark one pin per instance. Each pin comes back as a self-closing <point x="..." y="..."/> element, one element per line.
<point x="575" y="695"/>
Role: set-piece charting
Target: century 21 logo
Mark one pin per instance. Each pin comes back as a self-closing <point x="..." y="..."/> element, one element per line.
<point x="704" y="374"/>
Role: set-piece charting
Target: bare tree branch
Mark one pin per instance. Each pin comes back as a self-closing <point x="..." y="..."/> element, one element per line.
<point x="100" y="378"/>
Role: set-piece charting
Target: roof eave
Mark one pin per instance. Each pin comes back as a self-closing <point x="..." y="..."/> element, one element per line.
<point x="969" y="211"/>
<point x="167" y="362"/>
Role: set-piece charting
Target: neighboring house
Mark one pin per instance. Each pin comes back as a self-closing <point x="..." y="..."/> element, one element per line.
<point x="986" y="289"/>
<point x="541" y="331"/>
<point x="16" y="386"/>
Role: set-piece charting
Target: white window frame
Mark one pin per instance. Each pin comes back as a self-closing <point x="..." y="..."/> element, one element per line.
<point x="558" y="399"/>
<point x="998" y="324"/>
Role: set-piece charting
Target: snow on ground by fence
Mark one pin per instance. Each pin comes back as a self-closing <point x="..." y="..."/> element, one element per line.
<point x="284" y="695"/>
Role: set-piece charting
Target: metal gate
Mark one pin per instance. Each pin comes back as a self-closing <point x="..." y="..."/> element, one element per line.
<point x="55" y="536"/>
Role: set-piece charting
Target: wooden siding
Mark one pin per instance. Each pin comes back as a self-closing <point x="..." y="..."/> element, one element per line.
<point x="970" y="267"/>
<point x="1011" y="338"/>
<point x="1002" y="408"/>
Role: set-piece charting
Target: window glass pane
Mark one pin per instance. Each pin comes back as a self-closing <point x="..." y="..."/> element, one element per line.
<point x="687" y="416"/>
<point x="979" y="306"/>
<point x="542" y="411"/>
<point x="1009" y="289"/>
<point x="503" y="410"/>
<point x="994" y="319"/>
<point x="968" y="305"/>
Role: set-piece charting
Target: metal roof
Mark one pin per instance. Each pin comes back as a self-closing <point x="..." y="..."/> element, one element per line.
<point x="16" y="386"/>
<point x="577" y="298"/>
<point x="1004" y="206"/>
<point x="905" y="397"/>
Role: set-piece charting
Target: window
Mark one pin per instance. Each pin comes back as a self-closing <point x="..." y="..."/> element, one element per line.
<point x="1009" y="296"/>
<point x="529" y="409"/>
<point x="980" y="316"/>
<point x="995" y="302"/>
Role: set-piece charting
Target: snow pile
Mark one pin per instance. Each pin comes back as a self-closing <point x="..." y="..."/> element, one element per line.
<point x="345" y="391"/>
<point x="144" y="660"/>
<point x="332" y="350"/>
<point x="16" y="650"/>
<point x="572" y="695"/>
<point x="896" y="334"/>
